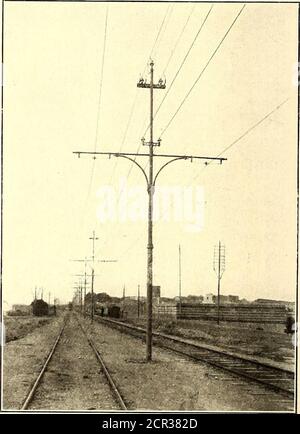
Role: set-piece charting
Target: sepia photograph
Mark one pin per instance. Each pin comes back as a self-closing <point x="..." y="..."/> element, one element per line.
<point x="149" y="198"/>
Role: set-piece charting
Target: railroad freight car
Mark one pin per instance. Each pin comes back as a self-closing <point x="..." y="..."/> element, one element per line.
<point x="40" y="308"/>
<point x="114" y="311"/>
<point x="110" y="310"/>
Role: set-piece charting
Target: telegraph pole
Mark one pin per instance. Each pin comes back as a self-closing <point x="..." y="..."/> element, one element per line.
<point x="80" y="294"/>
<point x="219" y="267"/>
<point x="179" y="275"/>
<point x="151" y="144"/>
<point x="151" y="181"/>
<point x="85" y="275"/>
<point x="93" y="238"/>
<point x="138" y="301"/>
<point x="84" y="300"/>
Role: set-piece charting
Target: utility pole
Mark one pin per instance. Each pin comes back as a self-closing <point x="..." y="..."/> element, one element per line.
<point x="179" y="276"/>
<point x="80" y="295"/>
<point x="150" y="181"/>
<point x="93" y="238"/>
<point x="219" y="268"/>
<point x="92" y="291"/>
<point x="138" y="301"/>
<point x="84" y="300"/>
<point x="160" y="85"/>
<point x="84" y="283"/>
<point x="49" y="297"/>
<point x="85" y="275"/>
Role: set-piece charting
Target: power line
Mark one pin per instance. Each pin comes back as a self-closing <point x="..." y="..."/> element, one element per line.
<point x="178" y="39"/>
<point x="253" y="126"/>
<point x="182" y="64"/>
<point x="157" y="36"/>
<point x="135" y="99"/>
<point x="98" y="108"/>
<point x="203" y="70"/>
<point x="166" y="21"/>
<point x="247" y="131"/>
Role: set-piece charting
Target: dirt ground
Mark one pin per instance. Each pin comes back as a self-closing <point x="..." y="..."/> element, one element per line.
<point x="73" y="379"/>
<point x="17" y="327"/>
<point x="261" y="341"/>
<point x="169" y="382"/>
<point x="175" y="383"/>
<point x="23" y="359"/>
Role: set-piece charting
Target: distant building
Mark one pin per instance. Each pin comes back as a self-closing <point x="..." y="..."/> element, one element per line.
<point x="193" y="299"/>
<point x="244" y="301"/>
<point x="233" y="299"/>
<point x="166" y="300"/>
<point x="269" y="301"/>
<point x="209" y="299"/>
<point x="224" y="299"/>
<point x="156" y="291"/>
<point x="21" y="308"/>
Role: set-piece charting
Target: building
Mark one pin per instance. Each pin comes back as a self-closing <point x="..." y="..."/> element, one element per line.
<point x="233" y="299"/>
<point x="156" y="291"/>
<point x="268" y="301"/>
<point x="209" y="299"/>
<point x="21" y="308"/>
<point x="224" y="299"/>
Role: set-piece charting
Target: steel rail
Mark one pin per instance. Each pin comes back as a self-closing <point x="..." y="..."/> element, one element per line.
<point x="218" y="363"/>
<point x="109" y="378"/>
<point x="31" y="393"/>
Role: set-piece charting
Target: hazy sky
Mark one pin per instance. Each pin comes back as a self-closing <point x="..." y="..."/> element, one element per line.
<point x="53" y="55"/>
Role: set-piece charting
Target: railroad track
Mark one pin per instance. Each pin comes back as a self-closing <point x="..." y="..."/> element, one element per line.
<point x="33" y="389"/>
<point x="32" y="395"/>
<point x="274" y="378"/>
<point x="107" y="374"/>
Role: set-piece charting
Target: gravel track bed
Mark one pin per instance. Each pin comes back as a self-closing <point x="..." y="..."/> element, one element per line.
<point x="173" y="382"/>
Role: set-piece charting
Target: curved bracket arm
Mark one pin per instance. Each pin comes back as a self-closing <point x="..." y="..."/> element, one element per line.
<point x="137" y="164"/>
<point x="166" y="164"/>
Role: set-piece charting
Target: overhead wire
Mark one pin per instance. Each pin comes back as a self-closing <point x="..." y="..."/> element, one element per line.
<point x="98" y="112"/>
<point x="178" y="39"/>
<point x="220" y="154"/>
<point x="247" y="132"/>
<point x="202" y="71"/>
<point x="181" y="65"/>
<point x="156" y="41"/>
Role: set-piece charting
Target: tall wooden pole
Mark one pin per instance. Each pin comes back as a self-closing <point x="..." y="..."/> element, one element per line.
<point x="179" y="276"/>
<point x="219" y="281"/>
<point x="138" y="300"/>
<point x="150" y="230"/>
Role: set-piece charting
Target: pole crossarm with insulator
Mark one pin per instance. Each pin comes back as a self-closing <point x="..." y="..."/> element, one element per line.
<point x="151" y="179"/>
